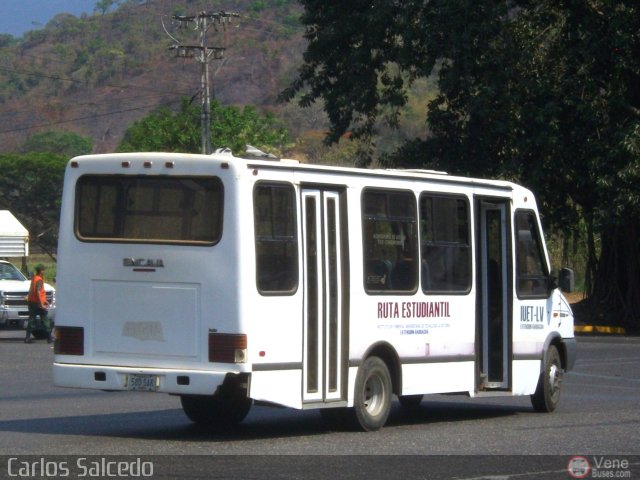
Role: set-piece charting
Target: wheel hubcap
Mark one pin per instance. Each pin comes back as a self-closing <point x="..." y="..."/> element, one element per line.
<point x="555" y="377"/>
<point x="374" y="395"/>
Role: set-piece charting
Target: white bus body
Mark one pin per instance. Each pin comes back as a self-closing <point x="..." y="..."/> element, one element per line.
<point x="226" y="280"/>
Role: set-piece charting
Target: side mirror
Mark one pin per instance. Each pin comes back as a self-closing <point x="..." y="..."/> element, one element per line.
<point x="567" y="280"/>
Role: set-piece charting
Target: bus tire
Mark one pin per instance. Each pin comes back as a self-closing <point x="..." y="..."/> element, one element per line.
<point x="373" y="393"/>
<point x="410" y="401"/>
<point x="547" y="394"/>
<point x="214" y="410"/>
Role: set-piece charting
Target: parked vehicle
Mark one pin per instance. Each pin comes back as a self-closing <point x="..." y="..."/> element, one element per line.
<point x="14" y="288"/>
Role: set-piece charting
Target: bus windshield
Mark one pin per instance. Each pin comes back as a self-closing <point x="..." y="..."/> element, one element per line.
<point x="149" y="209"/>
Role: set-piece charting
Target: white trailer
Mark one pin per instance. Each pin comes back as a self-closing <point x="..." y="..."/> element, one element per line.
<point x="14" y="238"/>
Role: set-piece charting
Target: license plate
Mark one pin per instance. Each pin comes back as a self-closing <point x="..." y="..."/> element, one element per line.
<point x="143" y="383"/>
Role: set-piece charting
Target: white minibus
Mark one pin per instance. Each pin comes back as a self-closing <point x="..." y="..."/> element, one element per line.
<point x="227" y="281"/>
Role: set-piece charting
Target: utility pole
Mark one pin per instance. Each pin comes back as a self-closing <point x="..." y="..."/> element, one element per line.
<point x="203" y="53"/>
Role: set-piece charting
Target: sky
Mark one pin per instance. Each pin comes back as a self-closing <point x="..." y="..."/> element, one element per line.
<point x="19" y="16"/>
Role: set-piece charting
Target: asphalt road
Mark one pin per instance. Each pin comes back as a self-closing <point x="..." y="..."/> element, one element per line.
<point x="446" y="437"/>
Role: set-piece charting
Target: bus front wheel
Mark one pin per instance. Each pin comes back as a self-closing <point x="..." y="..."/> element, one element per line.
<point x="214" y="410"/>
<point x="373" y="393"/>
<point x="547" y="394"/>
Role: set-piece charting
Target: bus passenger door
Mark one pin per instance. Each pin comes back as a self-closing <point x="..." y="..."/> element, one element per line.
<point x="324" y="258"/>
<point x="494" y="302"/>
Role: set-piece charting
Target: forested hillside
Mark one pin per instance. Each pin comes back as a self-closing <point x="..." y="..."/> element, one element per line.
<point x="541" y="92"/>
<point x="97" y="74"/>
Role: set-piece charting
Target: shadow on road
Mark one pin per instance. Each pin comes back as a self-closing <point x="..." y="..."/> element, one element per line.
<point x="263" y="422"/>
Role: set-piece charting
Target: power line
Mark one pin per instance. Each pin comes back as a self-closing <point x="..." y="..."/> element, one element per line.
<point x="153" y="93"/>
<point x="73" y="80"/>
<point x="274" y="22"/>
<point x="23" y="112"/>
<point x="77" y="119"/>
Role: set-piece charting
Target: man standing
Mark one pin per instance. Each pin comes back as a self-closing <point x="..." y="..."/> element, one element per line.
<point x="38" y="304"/>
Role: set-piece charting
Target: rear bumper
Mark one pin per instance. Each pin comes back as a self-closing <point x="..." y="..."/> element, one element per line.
<point x="101" y="377"/>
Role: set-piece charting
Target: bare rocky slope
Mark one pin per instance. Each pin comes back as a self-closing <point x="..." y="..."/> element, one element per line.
<point x="97" y="74"/>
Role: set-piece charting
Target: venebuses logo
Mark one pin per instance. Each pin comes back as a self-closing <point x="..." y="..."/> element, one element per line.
<point x="578" y="467"/>
<point x="599" y="467"/>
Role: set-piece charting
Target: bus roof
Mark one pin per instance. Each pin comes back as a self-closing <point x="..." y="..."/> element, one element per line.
<point x="124" y="160"/>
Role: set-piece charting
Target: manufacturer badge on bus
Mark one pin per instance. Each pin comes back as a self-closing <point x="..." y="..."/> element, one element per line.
<point x="143" y="262"/>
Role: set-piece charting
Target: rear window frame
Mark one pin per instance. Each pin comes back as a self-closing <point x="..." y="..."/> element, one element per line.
<point x="219" y="226"/>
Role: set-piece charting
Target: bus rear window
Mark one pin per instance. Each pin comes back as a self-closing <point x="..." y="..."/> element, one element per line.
<point x="149" y="209"/>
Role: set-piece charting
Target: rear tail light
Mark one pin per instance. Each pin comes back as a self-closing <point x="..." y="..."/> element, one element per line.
<point x="227" y="347"/>
<point x="69" y="341"/>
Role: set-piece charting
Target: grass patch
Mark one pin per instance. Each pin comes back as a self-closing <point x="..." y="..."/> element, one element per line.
<point x="51" y="267"/>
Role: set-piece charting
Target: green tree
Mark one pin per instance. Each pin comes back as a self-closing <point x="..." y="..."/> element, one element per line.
<point x="361" y="58"/>
<point x="67" y="144"/>
<point x="31" y="187"/>
<point x="583" y="56"/>
<point x="232" y="127"/>
<point x="554" y="101"/>
<point x="545" y="92"/>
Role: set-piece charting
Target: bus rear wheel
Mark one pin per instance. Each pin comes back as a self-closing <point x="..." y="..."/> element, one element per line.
<point x="547" y="394"/>
<point x="214" y="410"/>
<point x="373" y="393"/>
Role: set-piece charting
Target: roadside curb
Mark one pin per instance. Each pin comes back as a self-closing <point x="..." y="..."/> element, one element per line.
<point x="599" y="329"/>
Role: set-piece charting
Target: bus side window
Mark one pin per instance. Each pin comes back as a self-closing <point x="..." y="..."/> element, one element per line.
<point x="446" y="250"/>
<point x="389" y="222"/>
<point x="275" y="237"/>
<point x="532" y="276"/>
